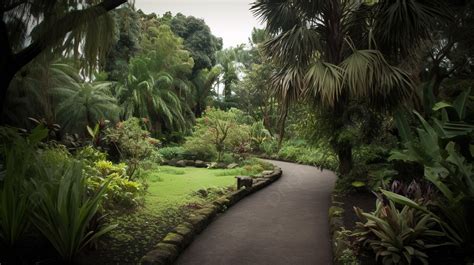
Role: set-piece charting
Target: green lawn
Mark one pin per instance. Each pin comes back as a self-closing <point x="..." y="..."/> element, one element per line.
<point x="174" y="186"/>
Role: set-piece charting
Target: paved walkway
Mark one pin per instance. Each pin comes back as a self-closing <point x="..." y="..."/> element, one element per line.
<point x="285" y="223"/>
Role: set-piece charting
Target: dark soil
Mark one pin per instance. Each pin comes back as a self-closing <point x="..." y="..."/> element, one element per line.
<point x="363" y="200"/>
<point x="31" y="250"/>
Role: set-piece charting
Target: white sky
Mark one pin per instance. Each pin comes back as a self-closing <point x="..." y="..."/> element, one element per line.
<point x="229" y="19"/>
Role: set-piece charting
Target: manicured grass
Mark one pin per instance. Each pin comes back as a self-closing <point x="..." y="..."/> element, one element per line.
<point x="174" y="186"/>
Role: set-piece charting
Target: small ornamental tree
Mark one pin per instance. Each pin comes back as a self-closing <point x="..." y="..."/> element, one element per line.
<point x="218" y="131"/>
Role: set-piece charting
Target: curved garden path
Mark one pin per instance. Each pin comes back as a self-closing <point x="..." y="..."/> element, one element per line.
<point x="285" y="223"/>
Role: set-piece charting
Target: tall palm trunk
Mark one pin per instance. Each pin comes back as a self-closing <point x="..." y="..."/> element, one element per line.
<point x="335" y="38"/>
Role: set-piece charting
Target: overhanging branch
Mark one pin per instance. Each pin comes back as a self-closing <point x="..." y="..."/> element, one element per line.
<point x="35" y="48"/>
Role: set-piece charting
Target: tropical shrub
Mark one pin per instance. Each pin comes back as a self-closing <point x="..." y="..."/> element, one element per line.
<point x="440" y="148"/>
<point x="199" y="147"/>
<point x="86" y="104"/>
<point x="258" y="134"/>
<point x="302" y="152"/>
<point x="269" y="147"/>
<point x="132" y="142"/>
<point x="120" y="191"/>
<point x="258" y="162"/>
<point x="398" y="236"/>
<point x="89" y="155"/>
<point x="172" y="152"/>
<point x="64" y="209"/>
<point x="421" y="192"/>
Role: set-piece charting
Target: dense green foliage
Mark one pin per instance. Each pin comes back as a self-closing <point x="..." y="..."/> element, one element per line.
<point x="53" y="195"/>
<point x="378" y="91"/>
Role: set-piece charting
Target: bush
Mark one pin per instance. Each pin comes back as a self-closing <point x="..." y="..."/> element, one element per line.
<point x="255" y="161"/>
<point x="258" y="134"/>
<point x="120" y="191"/>
<point x="89" y="155"/>
<point x="228" y="158"/>
<point x="302" y="152"/>
<point x="370" y="154"/>
<point x="174" y="152"/>
<point x="269" y="147"/>
<point x="290" y="152"/>
<point x="218" y="132"/>
<point x="133" y="143"/>
<point x="198" y="148"/>
<point x="46" y="188"/>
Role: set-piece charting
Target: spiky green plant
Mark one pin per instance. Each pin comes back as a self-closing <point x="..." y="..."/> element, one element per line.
<point x="18" y="157"/>
<point x="63" y="210"/>
<point x="398" y="236"/>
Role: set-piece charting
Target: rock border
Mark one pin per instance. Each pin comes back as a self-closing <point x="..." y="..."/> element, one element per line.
<point x="169" y="248"/>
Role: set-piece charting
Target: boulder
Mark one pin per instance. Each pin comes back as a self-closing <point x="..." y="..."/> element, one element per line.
<point x="222" y="203"/>
<point x="267" y="172"/>
<point x="162" y="254"/>
<point x="232" y="165"/>
<point x="221" y="165"/>
<point x="172" y="162"/>
<point x="244" y="181"/>
<point x="199" y="222"/>
<point x="200" y="164"/>
<point x="187" y="232"/>
<point x="175" y="239"/>
<point x="212" y="165"/>
<point x="238" y="195"/>
<point x="189" y="163"/>
<point x="181" y="163"/>
<point x="210" y="211"/>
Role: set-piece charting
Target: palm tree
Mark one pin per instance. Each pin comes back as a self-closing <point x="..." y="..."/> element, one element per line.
<point x="157" y="86"/>
<point x="336" y="52"/>
<point x="232" y="61"/>
<point x="32" y="94"/>
<point x="203" y="83"/>
<point x="154" y="100"/>
<point x="29" y="28"/>
<point x="85" y="104"/>
<point x="159" y="97"/>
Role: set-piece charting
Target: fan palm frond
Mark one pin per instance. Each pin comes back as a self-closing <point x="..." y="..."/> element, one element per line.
<point x="367" y="75"/>
<point x="401" y="25"/>
<point x="325" y="82"/>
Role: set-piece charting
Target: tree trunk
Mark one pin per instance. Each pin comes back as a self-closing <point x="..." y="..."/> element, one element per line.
<point x="6" y="73"/>
<point x="344" y="154"/>
<point x="437" y="80"/>
<point x="5" y="78"/>
<point x="282" y="128"/>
